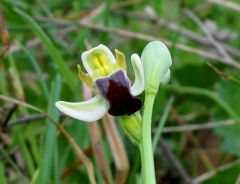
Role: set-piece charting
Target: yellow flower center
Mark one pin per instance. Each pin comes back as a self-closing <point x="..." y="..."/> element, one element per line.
<point x="101" y="64"/>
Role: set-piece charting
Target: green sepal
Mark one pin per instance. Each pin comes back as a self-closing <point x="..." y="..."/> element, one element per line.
<point x="132" y="127"/>
<point x="121" y="59"/>
<point x="84" y="77"/>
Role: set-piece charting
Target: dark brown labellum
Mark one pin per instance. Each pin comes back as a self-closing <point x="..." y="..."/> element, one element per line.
<point x="116" y="90"/>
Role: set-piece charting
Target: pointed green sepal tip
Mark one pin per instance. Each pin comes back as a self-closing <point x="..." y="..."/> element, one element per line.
<point x="84" y="77"/>
<point x="156" y="60"/>
<point x="121" y="60"/>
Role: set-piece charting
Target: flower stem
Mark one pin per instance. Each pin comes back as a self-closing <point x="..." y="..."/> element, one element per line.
<point x="146" y="142"/>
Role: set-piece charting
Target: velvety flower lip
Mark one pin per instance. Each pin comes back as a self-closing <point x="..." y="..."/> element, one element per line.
<point x="109" y="76"/>
<point x="116" y="90"/>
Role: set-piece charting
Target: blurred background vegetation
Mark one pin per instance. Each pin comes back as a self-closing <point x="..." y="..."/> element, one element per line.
<point x="41" y="44"/>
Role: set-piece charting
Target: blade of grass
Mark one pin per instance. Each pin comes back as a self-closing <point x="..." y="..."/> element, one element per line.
<point x="134" y="170"/>
<point x="38" y="70"/>
<point x="162" y="123"/>
<point x="3" y="83"/>
<point x="106" y="19"/>
<point x="48" y="163"/>
<point x="16" y="82"/>
<point x="51" y="49"/>
<point x="4" y="153"/>
<point x="25" y="151"/>
<point x="2" y="174"/>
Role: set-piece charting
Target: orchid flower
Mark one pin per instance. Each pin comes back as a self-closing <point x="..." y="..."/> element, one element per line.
<point x="107" y="76"/>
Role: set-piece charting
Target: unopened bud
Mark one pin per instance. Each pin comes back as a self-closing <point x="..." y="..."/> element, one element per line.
<point x="156" y="60"/>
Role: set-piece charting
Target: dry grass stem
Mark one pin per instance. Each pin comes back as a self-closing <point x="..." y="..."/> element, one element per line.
<point x="209" y="125"/>
<point x="117" y="147"/>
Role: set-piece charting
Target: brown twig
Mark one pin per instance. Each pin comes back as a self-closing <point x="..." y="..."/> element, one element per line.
<point x="224" y="74"/>
<point x="187" y="128"/>
<point x="209" y="35"/>
<point x="228" y="4"/>
<point x="25" y="119"/>
<point x="177" y="165"/>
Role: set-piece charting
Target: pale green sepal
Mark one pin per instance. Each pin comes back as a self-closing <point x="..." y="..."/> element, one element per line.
<point x="132" y="127"/>
<point x="89" y="111"/>
<point x="156" y="61"/>
<point x="84" y="77"/>
<point x="121" y="60"/>
<point x="138" y="85"/>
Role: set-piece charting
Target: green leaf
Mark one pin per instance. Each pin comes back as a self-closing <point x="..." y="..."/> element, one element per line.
<point x="230" y="93"/>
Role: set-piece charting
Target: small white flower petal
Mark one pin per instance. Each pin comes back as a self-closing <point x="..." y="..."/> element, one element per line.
<point x="89" y="111"/>
<point x="166" y="77"/>
<point x="138" y="85"/>
<point x="101" y="48"/>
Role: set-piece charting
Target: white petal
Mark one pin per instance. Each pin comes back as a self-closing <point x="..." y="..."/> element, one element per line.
<point x="89" y="111"/>
<point x="138" y="85"/>
<point x="100" y="47"/>
<point x="166" y="77"/>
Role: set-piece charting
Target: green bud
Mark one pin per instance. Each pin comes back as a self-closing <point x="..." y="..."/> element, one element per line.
<point x="132" y="127"/>
<point x="156" y="60"/>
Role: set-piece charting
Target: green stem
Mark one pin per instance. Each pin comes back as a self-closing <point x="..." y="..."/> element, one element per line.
<point x="146" y="142"/>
